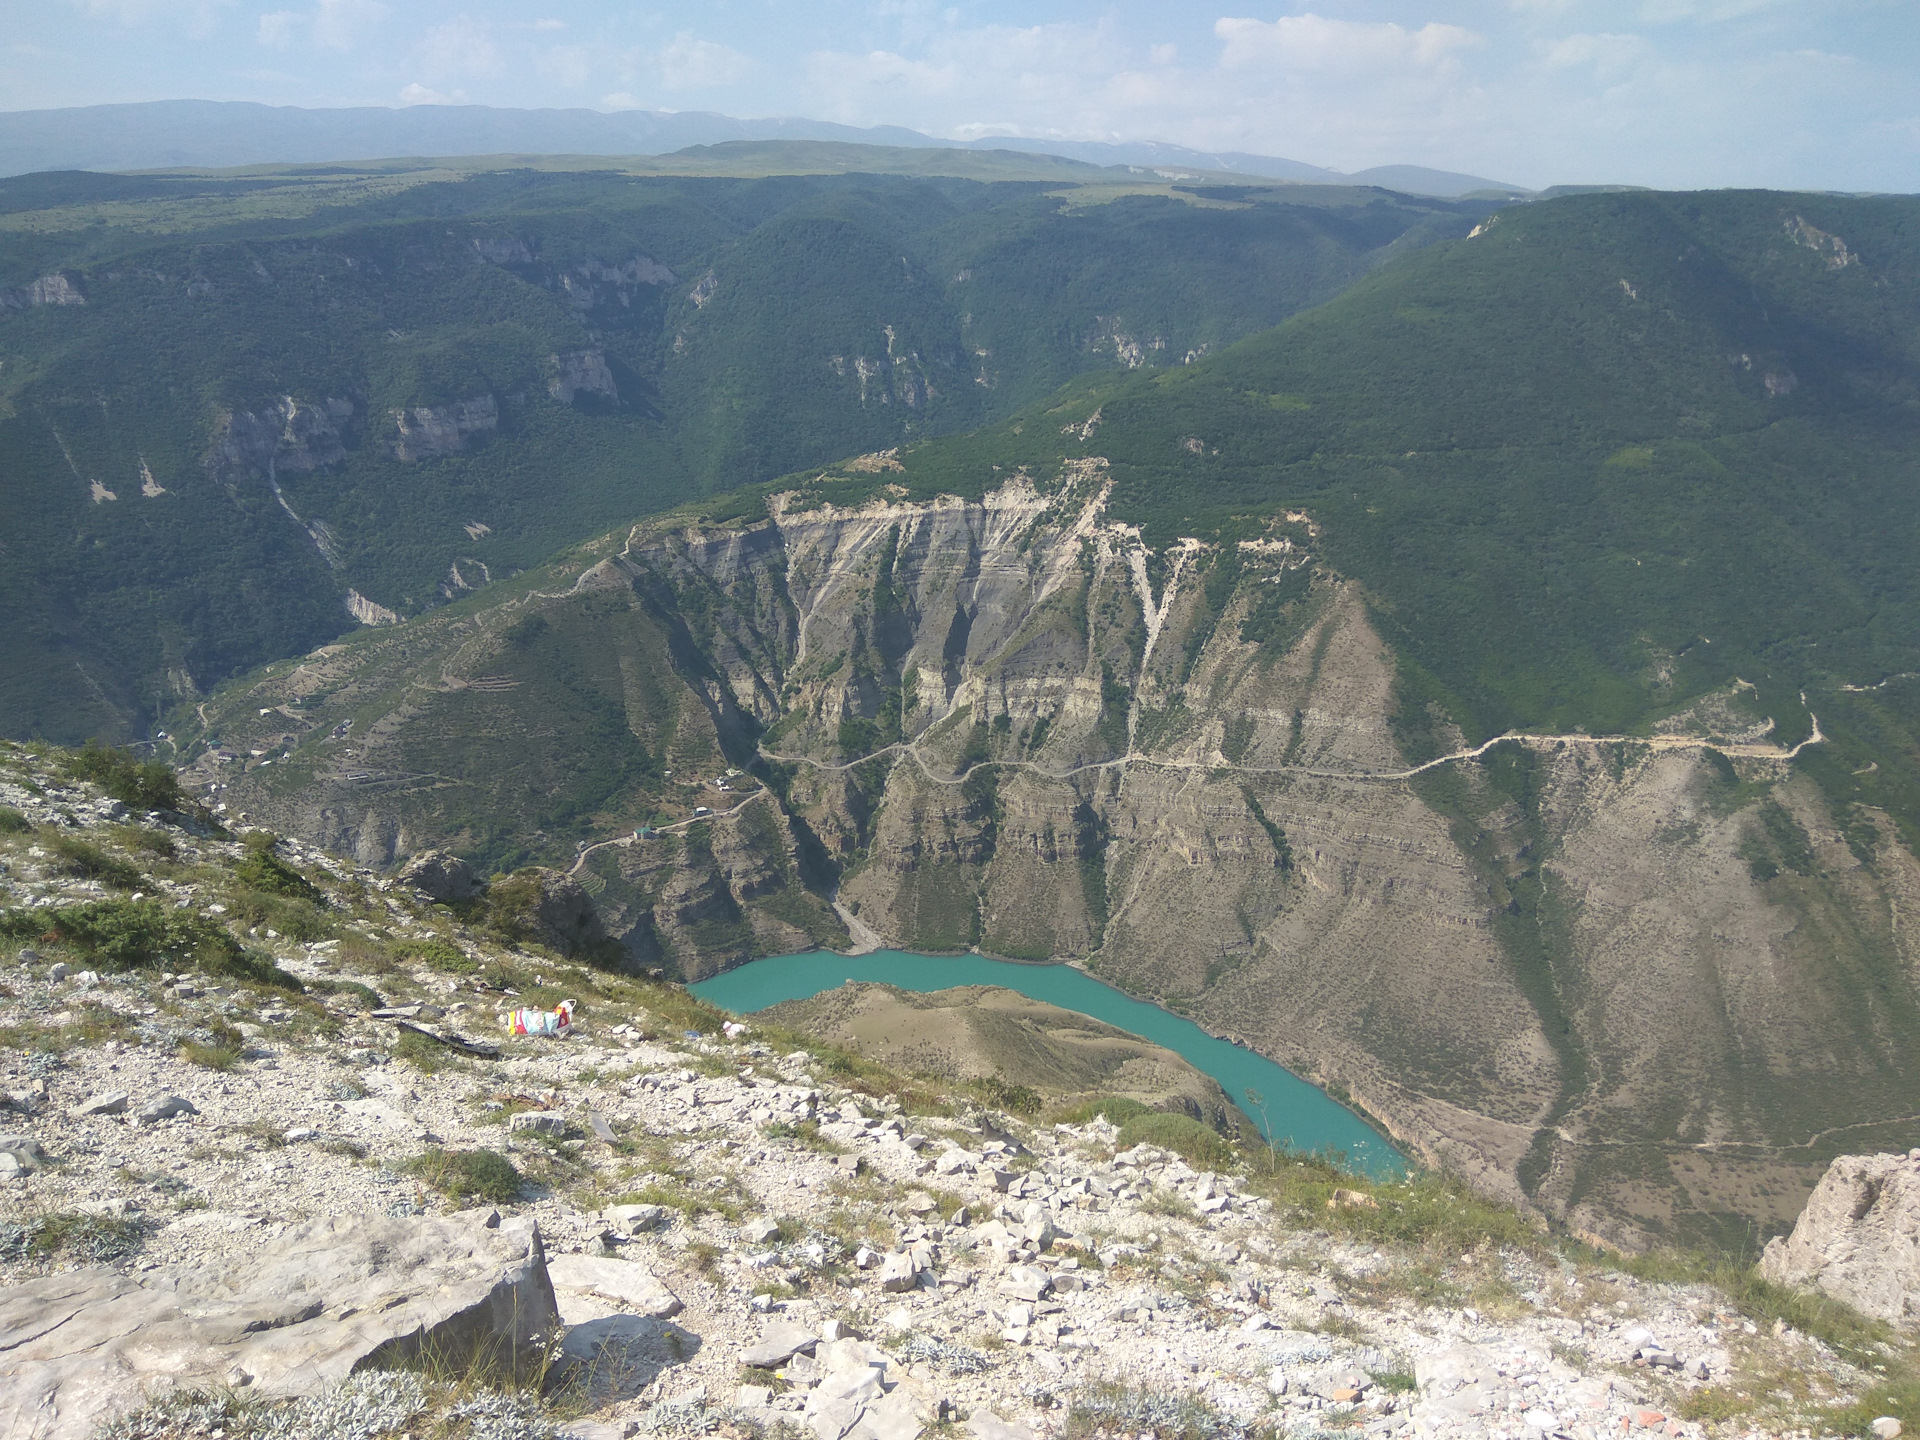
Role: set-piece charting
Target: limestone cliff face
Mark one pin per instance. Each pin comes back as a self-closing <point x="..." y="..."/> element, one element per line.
<point x="1859" y="1237"/>
<point x="425" y="431"/>
<point x="293" y="435"/>
<point x="1638" y="984"/>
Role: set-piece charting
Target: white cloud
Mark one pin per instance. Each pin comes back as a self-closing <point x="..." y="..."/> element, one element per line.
<point x="194" y="18"/>
<point x="418" y="94"/>
<point x="462" y="46"/>
<point x="331" y="24"/>
<point x="337" y="24"/>
<point x="569" y="65"/>
<point x="1345" y="47"/>
<point x="690" y="63"/>
<point x="277" y="28"/>
<point x="1609" y="54"/>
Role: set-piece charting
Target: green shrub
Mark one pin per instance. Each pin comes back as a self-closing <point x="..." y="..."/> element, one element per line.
<point x="442" y="955"/>
<point x="84" y="858"/>
<point x="1185" y="1136"/>
<point x="1005" y="1095"/>
<point x="260" y="869"/>
<point x="137" y="784"/>
<point x="144" y="935"/>
<point x="1117" y="1108"/>
<point x="295" y="918"/>
<point x="12" y="822"/>
<point x="463" y="1175"/>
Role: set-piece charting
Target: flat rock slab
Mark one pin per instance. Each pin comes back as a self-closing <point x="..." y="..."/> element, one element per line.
<point x="631" y="1286"/>
<point x="291" y="1316"/>
<point x="985" y="1425"/>
<point x="781" y="1344"/>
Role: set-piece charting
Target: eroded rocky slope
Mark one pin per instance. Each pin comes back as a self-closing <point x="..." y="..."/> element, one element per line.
<point x="1647" y="985"/>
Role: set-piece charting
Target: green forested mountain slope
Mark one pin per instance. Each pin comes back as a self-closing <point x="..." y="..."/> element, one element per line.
<point x="1612" y="452"/>
<point x="202" y="377"/>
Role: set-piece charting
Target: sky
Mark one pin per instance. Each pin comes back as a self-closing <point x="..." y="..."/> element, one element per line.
<point x="1672" y="93"/>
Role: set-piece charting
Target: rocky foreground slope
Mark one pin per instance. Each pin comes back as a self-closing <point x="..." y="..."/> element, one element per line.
<point x="265" y="1169"/>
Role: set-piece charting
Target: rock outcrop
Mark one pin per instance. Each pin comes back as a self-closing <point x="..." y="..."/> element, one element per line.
<point x="325" y="1300"/>
<point x="581" y="372"/>
<point x="427" y="431"/>
<point x="297" y="435"/>
<point x="1858" y="1240"/>
<point x="550" y="908"/>
<point x="441" y="876"/>
<point x="55" y="289"/>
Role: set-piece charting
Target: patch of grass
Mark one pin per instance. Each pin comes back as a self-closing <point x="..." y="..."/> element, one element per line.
<point x="426" y="1054"/>
<point x="88" y="861"/>
<point x="345" y="1149"/>
<point x="222" y="1047"/>
<point x="265" y="1132"/>
<point x="75" y="1234"/>
<point x="1185" y="1136"/>
<point x="1164" y="1414"/>
<point x="1899" y="1398"/>
<point x="467" y="1175"/>
<point x="1427" y="1209"/>
<point x="1116" y="1108"/>
<point x="1855" y="1336"/>
<point x="441" y="955"/>
<point x="12" y="822"/>
<point x="138" y="837"/>
<point x="1005" y="1095"/>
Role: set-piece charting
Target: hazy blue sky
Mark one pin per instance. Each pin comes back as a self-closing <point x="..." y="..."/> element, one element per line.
<point x="1822" y="93"/>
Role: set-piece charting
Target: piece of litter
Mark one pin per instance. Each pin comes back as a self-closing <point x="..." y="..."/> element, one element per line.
<point x="556" y="1022"/>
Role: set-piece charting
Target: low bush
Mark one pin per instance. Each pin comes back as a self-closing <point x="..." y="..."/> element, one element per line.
<point x="137" y="784"/>
<point x="468" y="1175"/>
<point x="12" y="822"/>
<point x="263" y="870"/>
<point x="1005" y="1095"/>
<point x="293" y="917"/>
<point x="1185" y="1136"/>
<point x="144" y="935"/>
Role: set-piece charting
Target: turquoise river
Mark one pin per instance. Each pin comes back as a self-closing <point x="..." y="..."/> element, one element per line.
<point x="1301" y="1116"/>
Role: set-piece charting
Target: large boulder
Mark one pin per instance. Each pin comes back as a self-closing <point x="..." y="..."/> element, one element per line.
<point x="548" y="907"/>
<point x="291" y="1317"/>
<point x="1858" y="1239"/>
<point x="441" y="875"/>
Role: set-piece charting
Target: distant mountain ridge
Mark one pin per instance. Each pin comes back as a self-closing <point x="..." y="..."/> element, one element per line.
<point x="163" y="134"/>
